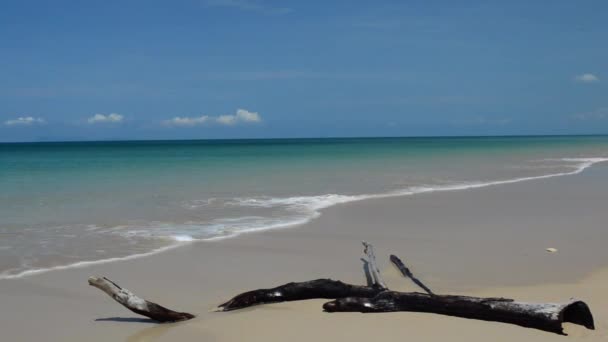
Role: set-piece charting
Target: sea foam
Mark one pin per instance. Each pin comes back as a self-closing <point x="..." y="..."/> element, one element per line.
<point x="315" y="203"/>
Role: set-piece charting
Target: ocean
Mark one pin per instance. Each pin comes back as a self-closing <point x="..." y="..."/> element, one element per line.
<point x="69" y="204"/>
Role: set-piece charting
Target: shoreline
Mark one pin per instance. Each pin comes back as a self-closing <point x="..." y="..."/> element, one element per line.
<point x="489" y="240"/>
<point x="585" y="163"/>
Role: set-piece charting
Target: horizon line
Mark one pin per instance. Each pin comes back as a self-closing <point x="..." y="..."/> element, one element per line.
<point x="312" y="138"/>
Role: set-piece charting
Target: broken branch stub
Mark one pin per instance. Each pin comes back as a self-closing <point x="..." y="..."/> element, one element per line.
<point x="373" y="267"/>
<point x="408" y="274"/>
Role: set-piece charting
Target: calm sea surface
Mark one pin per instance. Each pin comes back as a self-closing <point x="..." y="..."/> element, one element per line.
<point x="62" y="204"/>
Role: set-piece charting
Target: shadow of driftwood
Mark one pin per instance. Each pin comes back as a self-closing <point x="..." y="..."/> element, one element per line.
<point x="149" y="334"/>
<point x="126" y="320"/>
<point x="154" y="332"/>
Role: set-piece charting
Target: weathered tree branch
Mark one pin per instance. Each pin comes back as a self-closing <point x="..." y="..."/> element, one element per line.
<point x="547" y="316"/>
<point x="138" y="305"/>
<point x="408" y="274"/>
<point x="319" y="288"/>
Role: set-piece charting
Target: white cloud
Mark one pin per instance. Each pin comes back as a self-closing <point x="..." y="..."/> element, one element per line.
<point x="186" y="121"/>
<point x="587" y="78"/>
<point x="247" y="116"/>
<point x="24" y="121"/>
<point x="227" y="120"/>
<point x="241" y="116"/>
<point x="101" y="118"/>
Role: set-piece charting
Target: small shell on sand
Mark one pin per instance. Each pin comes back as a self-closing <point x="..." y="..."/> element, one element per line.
<point x="551" y="250"/>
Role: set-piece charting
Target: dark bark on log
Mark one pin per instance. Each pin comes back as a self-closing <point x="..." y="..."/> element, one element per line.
<point x="138" y="305"/>
<point x="548" y="317"/>
<point x="377" y="298"/>
<point x="319" y="288"/>
<point x="408" y="274"/>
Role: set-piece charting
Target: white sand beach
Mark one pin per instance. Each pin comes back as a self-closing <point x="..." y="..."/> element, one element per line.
<point x="488" y="241"/>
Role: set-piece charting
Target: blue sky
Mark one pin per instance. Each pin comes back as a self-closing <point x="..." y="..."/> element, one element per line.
<point x="251" y="68"/>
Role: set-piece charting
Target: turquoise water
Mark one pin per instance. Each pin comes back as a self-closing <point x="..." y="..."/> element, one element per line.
<point x="64" y="203"/>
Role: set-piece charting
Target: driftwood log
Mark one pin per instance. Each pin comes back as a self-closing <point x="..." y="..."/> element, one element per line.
<point x="548" y="316"/>
<point x="376" y="297"/>
<point x="138" y="305"/>
<point x="319" y="288"/>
